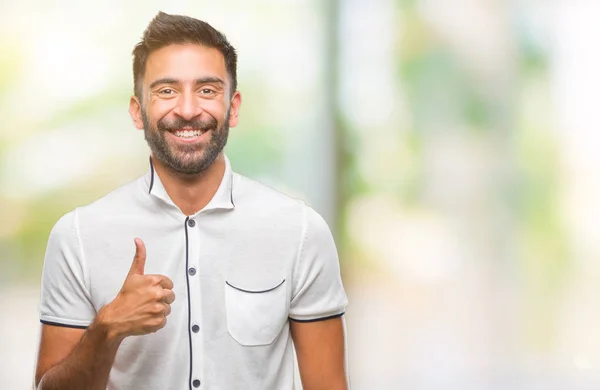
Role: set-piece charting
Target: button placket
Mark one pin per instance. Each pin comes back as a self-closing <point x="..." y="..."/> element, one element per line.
<point x="195" y="303"/>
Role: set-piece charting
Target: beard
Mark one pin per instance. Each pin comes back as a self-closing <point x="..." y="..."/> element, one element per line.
<point x="189" y="159"/>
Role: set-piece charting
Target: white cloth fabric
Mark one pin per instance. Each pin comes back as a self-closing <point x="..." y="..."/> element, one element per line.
<point x="242" y="267"/>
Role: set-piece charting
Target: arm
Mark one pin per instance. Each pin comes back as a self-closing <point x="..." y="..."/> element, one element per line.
<point x="317" y="308"/>
<point x="81" y="359"/>
<point x="72" y="358"/>
<point x="321" y="354"/>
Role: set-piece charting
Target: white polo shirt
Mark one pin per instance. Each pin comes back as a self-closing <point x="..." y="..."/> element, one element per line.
<point x="242" y="267"/>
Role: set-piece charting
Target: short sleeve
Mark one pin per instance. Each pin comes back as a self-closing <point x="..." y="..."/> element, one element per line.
<point x="65" y="300"/>
<point x="317" y="290"/>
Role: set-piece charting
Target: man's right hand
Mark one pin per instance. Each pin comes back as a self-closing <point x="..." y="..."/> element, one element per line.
<point x="142" y="305"/>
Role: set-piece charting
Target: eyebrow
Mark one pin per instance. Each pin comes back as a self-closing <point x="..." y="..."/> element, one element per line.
<point x="202" y="80"/>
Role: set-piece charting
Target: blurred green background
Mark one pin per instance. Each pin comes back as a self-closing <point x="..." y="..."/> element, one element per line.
<point x="451" y="145"/>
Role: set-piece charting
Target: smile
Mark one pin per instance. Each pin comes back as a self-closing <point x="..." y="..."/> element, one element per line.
<point x="187" y="133"/>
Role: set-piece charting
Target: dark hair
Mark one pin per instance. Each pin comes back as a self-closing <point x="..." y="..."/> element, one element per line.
<point x="166" y="30"/>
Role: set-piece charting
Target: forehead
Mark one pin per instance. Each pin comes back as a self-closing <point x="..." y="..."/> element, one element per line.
<point x="185" y="62"/>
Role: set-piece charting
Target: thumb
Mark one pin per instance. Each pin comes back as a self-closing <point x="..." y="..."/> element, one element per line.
<point x="139" y="260"/>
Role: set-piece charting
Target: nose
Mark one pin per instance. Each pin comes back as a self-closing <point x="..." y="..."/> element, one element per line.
<point x="187" y="106"/>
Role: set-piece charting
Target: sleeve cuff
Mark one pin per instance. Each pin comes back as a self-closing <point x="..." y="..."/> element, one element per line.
<point x="318" y="319"/>
<point x="67" y="323"/>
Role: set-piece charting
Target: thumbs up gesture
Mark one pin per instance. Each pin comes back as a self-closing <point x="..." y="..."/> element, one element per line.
<point x="143" y="303"/>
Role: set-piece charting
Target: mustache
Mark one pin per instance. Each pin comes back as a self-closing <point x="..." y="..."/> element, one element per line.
<point x="180" y="123"/>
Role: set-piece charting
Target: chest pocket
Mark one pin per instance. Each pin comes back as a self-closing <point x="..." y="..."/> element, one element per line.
<point x="255" y="317"/>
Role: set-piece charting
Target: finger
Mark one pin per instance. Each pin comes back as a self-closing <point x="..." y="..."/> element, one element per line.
<point x="139" y="260"/>
<point x="157" y="324"/>
<point x="163" y="281"/>
<point x="166" y="283"/>
<point x="160" y="280"/>
<point x="167" y="310"/>
<point x="169" y="296"/>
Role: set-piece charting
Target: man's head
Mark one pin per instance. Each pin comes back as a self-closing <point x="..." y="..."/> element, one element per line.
<point x="185" y="91"/>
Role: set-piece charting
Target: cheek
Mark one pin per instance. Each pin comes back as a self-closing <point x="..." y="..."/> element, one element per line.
<point x="161" y="107"/>
<point x="158" y="110"/>
<point x="217" y="110"/>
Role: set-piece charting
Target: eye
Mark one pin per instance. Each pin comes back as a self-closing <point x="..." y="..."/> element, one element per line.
<point x="207" y="91"/>
<point x="166" y="91"/>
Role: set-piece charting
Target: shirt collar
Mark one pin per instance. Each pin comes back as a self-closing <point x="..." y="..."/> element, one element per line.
<point x="223" y="198"/>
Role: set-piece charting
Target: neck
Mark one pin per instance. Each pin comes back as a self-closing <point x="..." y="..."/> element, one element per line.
<point x="191" y="193"/>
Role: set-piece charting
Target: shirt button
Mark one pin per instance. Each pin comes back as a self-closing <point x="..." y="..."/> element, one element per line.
<point x="192" y="271"/>
<point x="195" y="328"/>
<point x="191" y="223"/>
<point x="196" y="383"/>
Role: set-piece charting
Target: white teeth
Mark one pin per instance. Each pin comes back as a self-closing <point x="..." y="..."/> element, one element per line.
<point x="188" y="133"/>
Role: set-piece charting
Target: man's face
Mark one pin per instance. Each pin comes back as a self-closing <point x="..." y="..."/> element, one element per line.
<point x="186" y="109"/>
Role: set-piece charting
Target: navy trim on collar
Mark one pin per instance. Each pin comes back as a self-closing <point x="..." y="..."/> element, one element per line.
<point x="229" y="180"/>
<point x="151" y="176"/>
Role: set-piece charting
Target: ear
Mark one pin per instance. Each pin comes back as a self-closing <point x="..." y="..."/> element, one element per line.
<point x="135" y="110"/>
<point x="236" y="102"/>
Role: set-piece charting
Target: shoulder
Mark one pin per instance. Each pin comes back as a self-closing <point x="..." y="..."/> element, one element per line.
<point x="277" y="208"/>
<point x="115" y="202"/>
<point x="64" y="228"/>
<point x="106" y="207"/>
<point x="315" y="224"/>
<point x="249" y="193"/>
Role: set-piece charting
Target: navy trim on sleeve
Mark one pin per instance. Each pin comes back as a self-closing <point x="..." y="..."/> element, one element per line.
<point x="318" y="319"/>
<point x="63" y="325"/>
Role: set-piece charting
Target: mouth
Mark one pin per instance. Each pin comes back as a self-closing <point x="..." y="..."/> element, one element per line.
<point x="188" y="133"/>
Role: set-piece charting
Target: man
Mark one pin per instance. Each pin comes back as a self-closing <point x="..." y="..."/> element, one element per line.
<point x="226" y="273"/>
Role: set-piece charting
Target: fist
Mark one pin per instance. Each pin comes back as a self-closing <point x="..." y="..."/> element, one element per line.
<point x="143" y="303"/>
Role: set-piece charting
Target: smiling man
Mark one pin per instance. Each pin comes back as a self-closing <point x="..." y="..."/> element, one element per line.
<point x="191" y="276"/>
